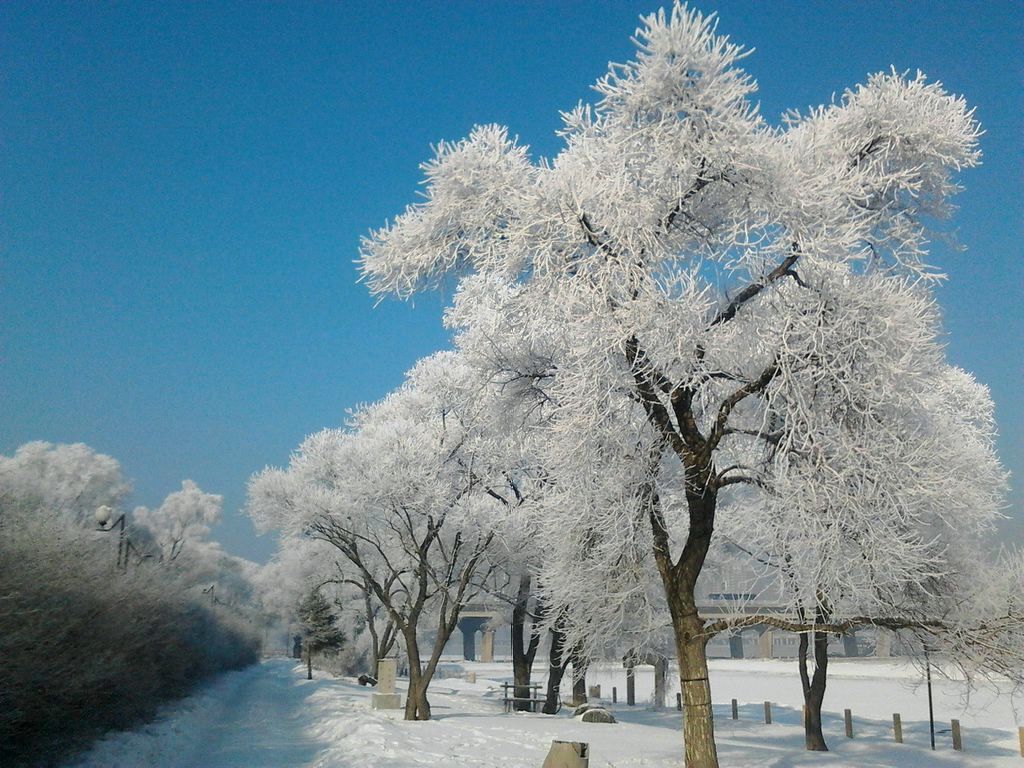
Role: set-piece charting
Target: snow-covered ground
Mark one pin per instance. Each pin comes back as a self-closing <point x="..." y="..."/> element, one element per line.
<point x="270" y="715"/>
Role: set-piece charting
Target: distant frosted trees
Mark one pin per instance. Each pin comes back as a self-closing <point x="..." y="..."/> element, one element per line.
<point x="408" y="499"/>
<point x="85" y="643"/>
<point x="742" y="319"/>
<point x="185" y="516"/>
<point x="68" y="480"/>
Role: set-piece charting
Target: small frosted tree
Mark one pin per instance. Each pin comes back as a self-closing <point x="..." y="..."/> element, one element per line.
<point x="319" y="630"/>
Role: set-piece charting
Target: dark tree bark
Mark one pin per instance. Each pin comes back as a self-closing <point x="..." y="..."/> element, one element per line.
<point x="579" y="679"/>
<point x="556" y="669"/>
<point x="814" y="685"/>
<point x="680" y="581"/>
<point x="523" y="651"/>
<point x="449" y="590"/>
<point x="309" y="665"/>
<point x="416" y="705"/>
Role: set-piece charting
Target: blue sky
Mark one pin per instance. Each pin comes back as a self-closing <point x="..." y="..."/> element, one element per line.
<point x="184" y="186"/>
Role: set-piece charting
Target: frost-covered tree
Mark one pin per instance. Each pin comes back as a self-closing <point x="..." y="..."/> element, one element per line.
<point x="184" y="516"/>
<point x="687" y="252"/>
<point x="66" y="480"/>
<point x="513" y="360"/>
<point x="406" y="499"/>
<point x="883" y="494"/>
<point x="301" y="564"/>
<point x="319" y="627"/>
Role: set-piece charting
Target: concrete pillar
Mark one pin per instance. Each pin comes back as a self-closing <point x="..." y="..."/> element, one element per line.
<point x="468" y="627"/>
<point x="883" y="643"/>
<point x="766" y="644"/>
<point x="387" y="671"/>
<point x="736" y="645"/>
<point x="487" y="649"/>
<point x="385" y="696"/>
<point x="850" y="644"/>
<point x="568" y="754"/>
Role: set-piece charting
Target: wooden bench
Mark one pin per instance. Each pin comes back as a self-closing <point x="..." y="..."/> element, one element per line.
<point x="508" y="697"/>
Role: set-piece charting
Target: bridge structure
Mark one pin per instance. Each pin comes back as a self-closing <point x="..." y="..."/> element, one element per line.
<point x="487" y="618"/>
<point x="482" y="618"/>
<point x="733" y="604"/>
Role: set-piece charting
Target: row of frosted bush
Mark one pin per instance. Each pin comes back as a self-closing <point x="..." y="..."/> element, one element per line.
<point x="86" y="647"/>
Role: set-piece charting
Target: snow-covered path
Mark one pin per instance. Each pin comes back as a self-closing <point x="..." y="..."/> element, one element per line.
<point x="270" y="716"/>
<point x="255" y="717"/>
<point x="263" y="723"/>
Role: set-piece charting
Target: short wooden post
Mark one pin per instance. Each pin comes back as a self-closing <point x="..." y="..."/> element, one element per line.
<point x="897" y="728"/>
<point x="767" y="713"/>
<point x="736" y="712"/>
<point x="958" y="743"/>
<point x="615" y="695"/>
<point x="630" y="687"/>
<point x="1020" y="738"/>
<point x="848" y="719"/>
<point x="679" y="702"/>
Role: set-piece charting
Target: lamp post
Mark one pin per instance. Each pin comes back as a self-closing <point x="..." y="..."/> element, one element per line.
<point x="103" y="515"/>
<point x="931" y="709"/>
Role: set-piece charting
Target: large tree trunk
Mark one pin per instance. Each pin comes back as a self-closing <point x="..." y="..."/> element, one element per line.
<point x="814" y="686"/>
<point x="523" y="653"/>
<point x="680" y="582"/>
<point x="579" y="679"/>
<point x="556" y="668"/>
<point x="698" y="720"/>
<point x="416" y="705"/>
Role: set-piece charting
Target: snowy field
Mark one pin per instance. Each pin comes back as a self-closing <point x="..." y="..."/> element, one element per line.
<point x="270" y="715"/>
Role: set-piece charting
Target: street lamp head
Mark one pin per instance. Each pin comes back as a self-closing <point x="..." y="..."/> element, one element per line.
<point x="103" y="515"/>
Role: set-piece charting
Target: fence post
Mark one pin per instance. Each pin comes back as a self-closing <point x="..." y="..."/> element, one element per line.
<point x="767" y="713"/>
<point x="897" y="728"/>
<point x="848" y="718"/>
<point x="736" y="716"/>
<point x="958" y="743"/>
<point x="679" y="702"/>
<point x="615" y="695"/>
